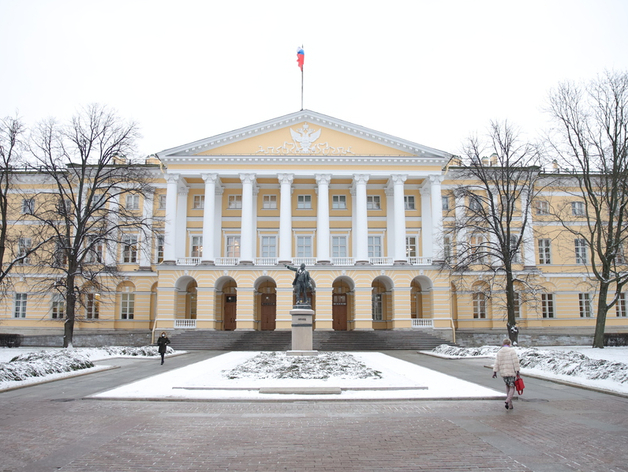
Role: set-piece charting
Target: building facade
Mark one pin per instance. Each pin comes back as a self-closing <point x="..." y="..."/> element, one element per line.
<point x="363" y="210"/>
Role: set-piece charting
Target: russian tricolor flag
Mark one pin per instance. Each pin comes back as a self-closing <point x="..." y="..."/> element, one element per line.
<point x="300" y="58"/>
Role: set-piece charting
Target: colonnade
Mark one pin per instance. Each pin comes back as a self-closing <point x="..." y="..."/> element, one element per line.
<point x="176" y="217"/>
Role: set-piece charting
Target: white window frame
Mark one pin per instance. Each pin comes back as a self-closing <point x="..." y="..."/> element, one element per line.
<point x="23" y="246"/>
<point x="132" y="202"/>
<point x="304" y="245"/>
<point x="19" y="305"/>
<point x="160" y="245"/>
<point x="577" y="208"/>
<point x="339" y="247"/>
<point x="580" y="250"/>
<point x="409" y="202"/>
<point x="585" y="305"/>
<point x="57" y="306"/>
<point x="28" y="206"/>
<point x="269" y="202"/>
<point x="373" y="202"/>
<point x="198" y="202"/>
<point x="444" y="202"/>
<point x="127" y="305"/>
<point x="412" y="246"/>
<point x="234" y="202"/>
<point x="196" y="246"/>
<point x="545" y="251"/>
<point x="339" y="202"/>
<point x="542" y="207"/>
<point x="129" y="249"/>
<point x="94" y="251"/>
<point x="304" y="202"/>
<point x="232" y="245"/>
<point x="161" y="201"/>
<point x="621" y="308"/>
<point x="375" y="248"/>
<point x="475" y="204"/>
<point x="514" y="250"/>
<point x="268" y="245"/>
<point x="547" y="305"/>
<point x="92" y="306"/>
<point x="479" y="305"/>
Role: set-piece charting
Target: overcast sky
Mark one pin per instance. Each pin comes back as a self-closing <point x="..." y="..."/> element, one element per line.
<point x="432" y="72"/>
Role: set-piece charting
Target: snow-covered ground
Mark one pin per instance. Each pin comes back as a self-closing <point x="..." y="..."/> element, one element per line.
<point x="363" y="375"/>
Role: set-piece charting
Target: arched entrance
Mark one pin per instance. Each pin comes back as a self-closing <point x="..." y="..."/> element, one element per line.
<point x="342" y="290"/>
<point x="381" y="302"/>
<point x="185" y="306"/>
<point x="226" y="303"/>
<point x="421" y="295"/>
<point x="266" y="304"/>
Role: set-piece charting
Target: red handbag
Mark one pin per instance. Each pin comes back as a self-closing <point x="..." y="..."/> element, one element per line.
<point x="519" y="385"/>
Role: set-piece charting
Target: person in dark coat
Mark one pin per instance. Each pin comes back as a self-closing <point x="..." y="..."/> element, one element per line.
<point x="162" y="342"/>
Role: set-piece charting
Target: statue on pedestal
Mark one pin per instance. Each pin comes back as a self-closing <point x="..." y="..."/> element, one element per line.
<point x="302" y="283"/>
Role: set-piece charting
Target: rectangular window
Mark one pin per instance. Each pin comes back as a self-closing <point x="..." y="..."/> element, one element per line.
<point x="373" y="202"/>
<point x="621" y="309"/>
<point x="545" y="256"/>
<point x="23" y="247"/>
<point x="447" y="252"/>
<point x="479" y="305"/>
<point x="198" y="202"/>
<point x="160" y="249"/>
<point x="339" y="202"/>
<point x="444" y="202"/>
<point x="408" y="201"/>
<point x="197" y="246"/>
<point x="542" y="207"/>
<point x="127" y="307"/>
<point x="28" y="206"/>
<point x="304" y="246"/>
<point x="235" y="202"/>
<point x="269" y="246"/>
<point x="339" y="246"/>
<point x="233" y="246"/>
<point x="517" y="305"/>
<point x="58" y="306"/>
<point x="161" y="202"/>
<point x="304" y="202"/>
<point x="375" y="246"/>
<point x="586" y="305"/>
<point x="577" y="208"/>
<point x="547" y="305"/>
<point x="60" y="255"/>
<point x="92" y="306"/>
<point x="94" y="250"/>
<point x="514" y="248"/>
<point x="580" y="247"/>
<point x="20" y="305"/>
<point x="475" y="204"/>
<point x="411" y="247"/>
<point x="129" y="249"/>
<point x="132" y="202"/>
<point x="270" y="202"/>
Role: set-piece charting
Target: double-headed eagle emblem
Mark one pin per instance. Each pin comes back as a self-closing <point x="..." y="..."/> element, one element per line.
<point x="305" y="137"/>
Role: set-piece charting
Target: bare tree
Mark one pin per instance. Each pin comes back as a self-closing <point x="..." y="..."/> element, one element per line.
<point x="591" y="137"/>
<point x="498" y="177"/>
<point x="13" y="251"/>
<point x="88" y="174"/>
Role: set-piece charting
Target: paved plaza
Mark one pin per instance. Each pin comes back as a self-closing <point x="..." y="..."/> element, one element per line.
<point x="553" y="427"/>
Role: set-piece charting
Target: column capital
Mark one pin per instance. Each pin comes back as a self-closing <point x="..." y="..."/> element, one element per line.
<point x="247" y="178"/>
<point x="323" y="179"/>
<point x="285" y="178"/>
<point x="209" y="178"/>
<point x="173" y="178"/>
<point x="436" y="179"/>
<point x="361" y="178"/>
<point x="397" y="179"/>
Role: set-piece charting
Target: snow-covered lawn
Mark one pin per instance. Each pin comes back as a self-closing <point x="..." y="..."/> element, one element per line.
<point x="605" y="369"/>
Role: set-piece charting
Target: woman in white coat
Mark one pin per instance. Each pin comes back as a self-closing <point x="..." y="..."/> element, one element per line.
<point x="507" y="364"/>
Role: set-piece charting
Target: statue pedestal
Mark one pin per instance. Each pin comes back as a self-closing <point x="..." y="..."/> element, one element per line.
<point x="302" y="332"/>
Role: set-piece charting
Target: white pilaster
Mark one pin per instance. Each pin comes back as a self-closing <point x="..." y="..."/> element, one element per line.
<point x="529" y="258"/>
<point x="322" y="219"/>
<point x="247" y="225"/>
<point x="181" y="221"/>
<point x="427" y="229"/>
<point x="145" y="245"/>
<point x="361" y="229"/>
<point x="208" y="218"/>
<point x="400" y="256"/>
<point x="285" y="217"/>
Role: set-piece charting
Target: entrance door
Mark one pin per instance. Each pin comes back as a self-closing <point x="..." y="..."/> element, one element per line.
<point x="339" y="312"/>
<point x="269" y="311"/>
<point x="230" y="312"/>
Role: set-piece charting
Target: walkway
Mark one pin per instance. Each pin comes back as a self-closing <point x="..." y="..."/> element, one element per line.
<point x="49" y="427"/>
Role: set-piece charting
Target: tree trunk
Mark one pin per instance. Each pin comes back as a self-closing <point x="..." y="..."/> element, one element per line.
<point x="68" y="326"/>
<point x="602" y="310"/>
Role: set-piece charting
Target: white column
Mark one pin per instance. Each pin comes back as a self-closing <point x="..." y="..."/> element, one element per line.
<point x="247" y="223"/>
<point x="145" y="245"/>
<point x="208" y="218"/>
<point x="285" y="218"/>
<point x="437" y="215"/>
<point x="322" y="219"/>
<point x="111" y="254"/>
<point x="361" y="229"/>
<point x="181" y="222"/>
<point x="171" y="215"/>
<point x="427" y="244"/>
<point x="400" y="256"/>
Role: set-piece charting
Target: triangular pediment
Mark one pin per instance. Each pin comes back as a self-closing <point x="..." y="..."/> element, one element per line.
<point x="304" y="133"/>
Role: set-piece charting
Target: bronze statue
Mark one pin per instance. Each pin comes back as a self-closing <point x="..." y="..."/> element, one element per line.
<point x="302" y="283"/>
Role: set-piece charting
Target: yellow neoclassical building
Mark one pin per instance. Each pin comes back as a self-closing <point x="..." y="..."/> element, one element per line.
<point x="363" y="210"/>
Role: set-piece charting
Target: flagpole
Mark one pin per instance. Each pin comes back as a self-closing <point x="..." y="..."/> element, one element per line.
<point x="301" y="89"/>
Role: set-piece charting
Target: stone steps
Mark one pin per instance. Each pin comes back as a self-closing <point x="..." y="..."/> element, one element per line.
<point x="379" y="340"/>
